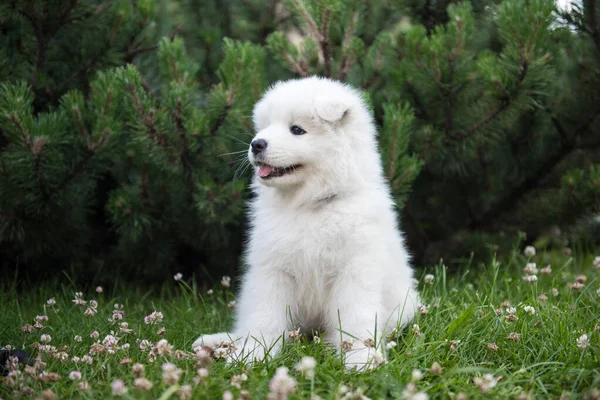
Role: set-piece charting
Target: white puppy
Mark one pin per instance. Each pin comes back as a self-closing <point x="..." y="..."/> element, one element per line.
<point x="325" y="252"/>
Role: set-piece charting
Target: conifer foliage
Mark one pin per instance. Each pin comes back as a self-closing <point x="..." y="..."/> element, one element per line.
<point x="119" y="144"/>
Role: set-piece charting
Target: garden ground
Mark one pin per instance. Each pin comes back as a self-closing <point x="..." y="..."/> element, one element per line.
<point x="510" y="329"/>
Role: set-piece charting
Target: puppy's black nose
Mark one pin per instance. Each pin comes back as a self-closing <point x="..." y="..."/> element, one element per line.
<point x="258" y="145"/>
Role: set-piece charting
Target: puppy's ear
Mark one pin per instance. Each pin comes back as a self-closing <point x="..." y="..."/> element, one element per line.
<point x="331" y="109"/>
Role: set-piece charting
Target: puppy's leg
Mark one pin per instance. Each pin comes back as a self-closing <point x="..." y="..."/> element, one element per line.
<point x="262" y="314"/>
<point x="213" y="340"/>
<point x="356" y="299"/>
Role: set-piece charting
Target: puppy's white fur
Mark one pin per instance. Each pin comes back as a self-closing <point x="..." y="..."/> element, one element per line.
<point x="325" y="251"/>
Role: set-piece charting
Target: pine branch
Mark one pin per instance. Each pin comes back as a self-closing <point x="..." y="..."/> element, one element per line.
<point x="144" y="183"/>
<point x="185" y="156"/>
<point x="346" y="63"/>
<point x="97" y="10"/>
<point x="393" y="151"/>
<point x="309" y="20"/>
<point x="75" y="171"/>
<point x="108" y="42"/>
<point x="218" y="122"/>
<point x="80" y="125"/>
<point x="326" y="41"/>
<point x="503" y="106"/>
<point x="134" y="52"/>
<point x="40" y="177"/>
<point x="294" y="65"/>
<point x="533" y="181"/>
<point x="594" y="30"/>
<point x="417" y="103"/>
<point x="43" y="36"/>
<point x="375" y="76"/>
<point x="147" y="120"/>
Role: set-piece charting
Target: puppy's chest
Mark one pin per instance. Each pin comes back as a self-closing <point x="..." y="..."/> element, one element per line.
<point x="301" y="244"/>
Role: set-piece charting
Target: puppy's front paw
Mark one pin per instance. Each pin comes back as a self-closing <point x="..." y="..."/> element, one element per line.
<point x="363" y="359"/>
<point x="212" y="341"/>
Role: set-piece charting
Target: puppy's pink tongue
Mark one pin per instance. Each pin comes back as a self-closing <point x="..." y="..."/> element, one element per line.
<point x="265" y="170"/>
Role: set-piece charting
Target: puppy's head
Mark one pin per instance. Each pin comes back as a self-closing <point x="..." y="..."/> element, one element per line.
<point x="307" y="131"/>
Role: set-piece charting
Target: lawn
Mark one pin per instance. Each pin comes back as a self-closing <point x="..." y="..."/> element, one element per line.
<point x="489" y="331"/>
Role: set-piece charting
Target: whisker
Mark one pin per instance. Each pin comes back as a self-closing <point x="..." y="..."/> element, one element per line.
<point x="238" y="140"/>
<point x="233" y="152"/>
<point x="242" y="166"/>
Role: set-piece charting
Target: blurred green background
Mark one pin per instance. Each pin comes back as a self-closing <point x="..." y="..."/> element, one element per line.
<point x="124" y="124"/>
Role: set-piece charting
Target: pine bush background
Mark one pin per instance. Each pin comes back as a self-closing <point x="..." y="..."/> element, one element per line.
<point x="124" y="123"/>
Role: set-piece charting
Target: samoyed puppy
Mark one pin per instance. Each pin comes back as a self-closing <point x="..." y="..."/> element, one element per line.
<point x="324" y="252"/>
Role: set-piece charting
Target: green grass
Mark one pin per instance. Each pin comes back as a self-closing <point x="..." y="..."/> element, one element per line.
<point x="545" y="363"/>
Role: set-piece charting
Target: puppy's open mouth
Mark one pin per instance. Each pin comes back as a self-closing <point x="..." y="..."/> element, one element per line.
<point x="266" y="171"/>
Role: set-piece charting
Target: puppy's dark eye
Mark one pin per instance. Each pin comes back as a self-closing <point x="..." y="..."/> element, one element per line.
<point x="296" y="130"/>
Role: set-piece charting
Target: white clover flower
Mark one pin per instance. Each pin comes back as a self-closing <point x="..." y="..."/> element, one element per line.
<point x="390" y="345"/>
<point x="416" y="330"/>
<point x="75" y="375"/>
<point x="554" y="292"/>
<point x="422" y="308"/>
<point x="138" y="369"/>
<point x="41" y="318"/>
<point x="530" y="278"/>
<point x="220" y="352"/>
<point x="185" y="392"/>
<point x="90" y="312"/>
<point x="79" y="301"/>
<point x="163" y="348"/>
<point x="99" y="289"/>
<point x="226" y="281"/>
<point x="529" y="309"/>
<point x="376" y="358"/>
<point x="343" y="390"/>
<point x="227" y="395"/>
<point x="78" y="338"/>
<point x="428" y="279"/>
<point x="170" y="373"/>
<point x="51" y="302"/>
<point x="118" y="388"/>
<point x="597" y="262"/>
<point x="410" y="393"/>
<point x="529" y="251"/>
<point x="307" y="366"/>
<point x="45" y="338"/>
<point x="530" y="269"/>
<point x="237" y="380"/>
<point x="178" y="276"/>
<point x="154" y="318"/>
<point x="202" y="372"/>
<point x="94" y="335"/>
<point x="436" y="368"/>
<point x="145" y="345"/>
<point x="282" y="384"/>
<point x="547" y="270"/>
<point x="416" y="375"/>
<point x="583" y="341"/>
<point x="142" y="384"/>
<point x="87" y="359"/>
<point x="485" y="383"/>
